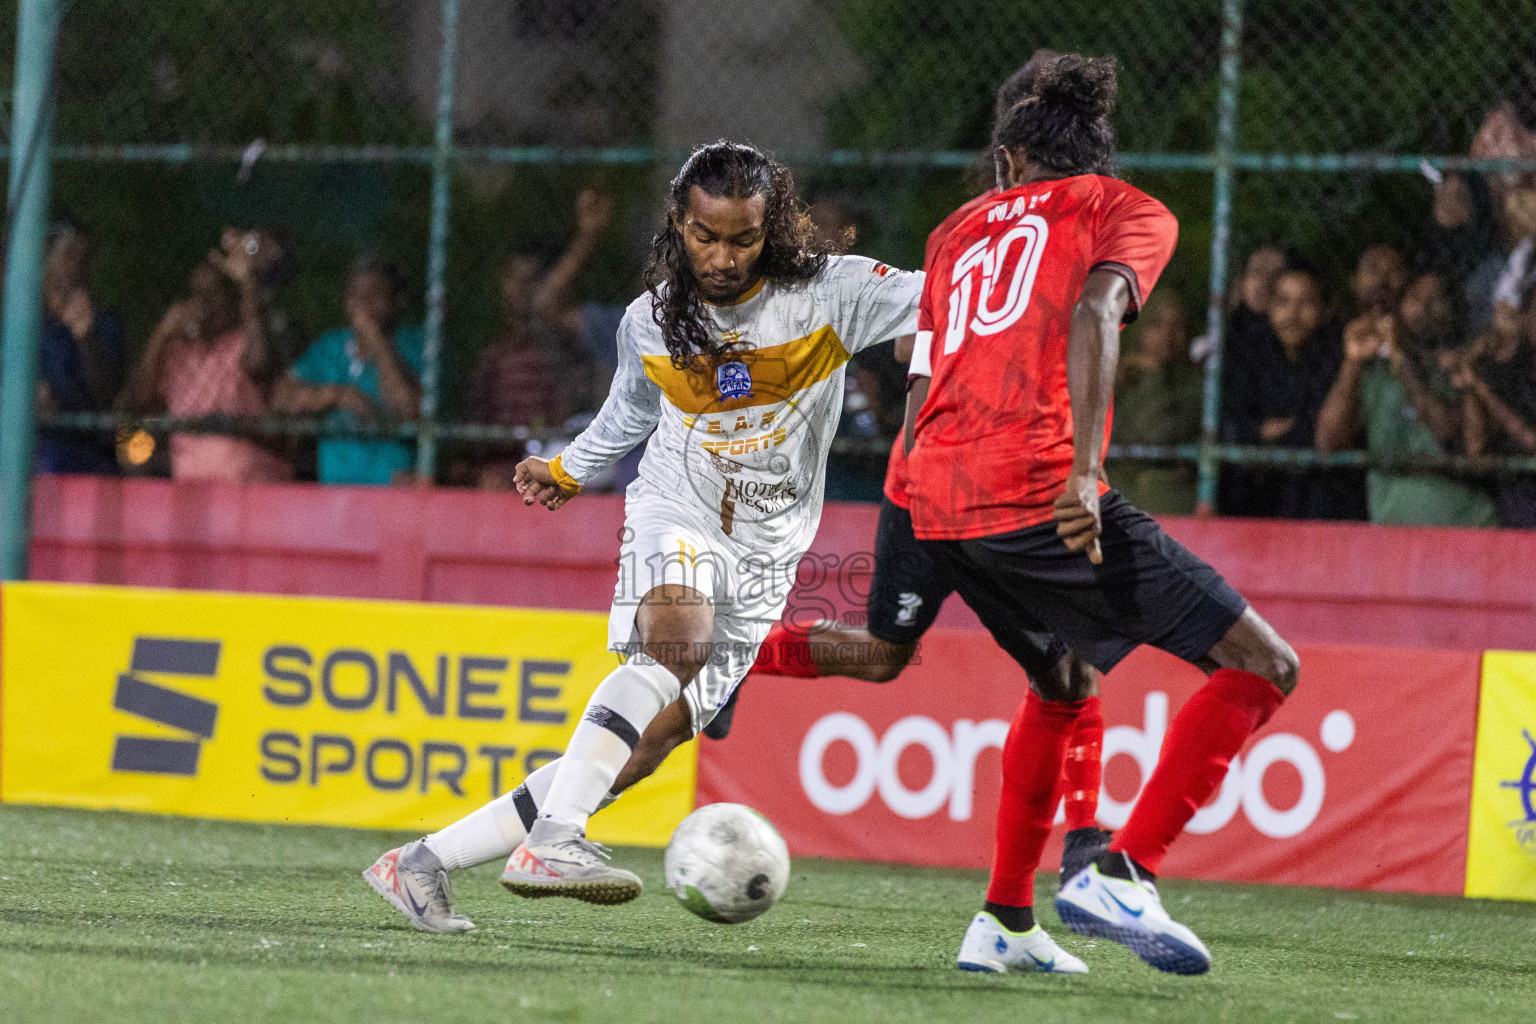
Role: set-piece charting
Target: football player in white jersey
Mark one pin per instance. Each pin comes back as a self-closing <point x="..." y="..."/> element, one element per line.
<point x="735" y="359"/>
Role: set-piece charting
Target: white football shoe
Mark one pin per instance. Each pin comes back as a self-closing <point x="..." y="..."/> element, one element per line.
<point x="1130" y="913"/>
<point x="414" y="882"/>
<point x="988" y="946"/>
<point x="559" y="860"/>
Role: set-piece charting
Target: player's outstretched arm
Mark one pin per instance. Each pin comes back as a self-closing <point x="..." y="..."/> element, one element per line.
<point x="1093" y="349"/>
<point x="629" y="414"/>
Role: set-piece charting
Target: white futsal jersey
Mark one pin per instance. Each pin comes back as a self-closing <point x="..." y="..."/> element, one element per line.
<point x="730" y="488"/>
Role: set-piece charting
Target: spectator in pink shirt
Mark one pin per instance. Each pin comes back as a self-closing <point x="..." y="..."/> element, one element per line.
<point x="209" y="357"/>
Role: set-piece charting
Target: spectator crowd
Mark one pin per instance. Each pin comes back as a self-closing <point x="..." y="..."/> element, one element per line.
<point x="1427" y="354"/>
<point x="228" y="353"/>
<point x="1423" y="353"/>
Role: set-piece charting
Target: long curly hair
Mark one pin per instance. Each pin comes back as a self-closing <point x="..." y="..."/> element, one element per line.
<point x="1064" y="124"/>
<point x="726" y="170"/>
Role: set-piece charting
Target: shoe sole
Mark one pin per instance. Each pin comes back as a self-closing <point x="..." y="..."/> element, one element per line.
<point x="1159" y="951"/>
<point x="980" y="968"/>
<point x="605" y="893"/>
<point x="378" y="886"/>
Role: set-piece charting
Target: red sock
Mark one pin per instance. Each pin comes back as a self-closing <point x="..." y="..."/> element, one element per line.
<point x="1083" y="770"/>
<point x="1212" y="726"/>
<point x="785" y="652"/>
<point x="1032" y="756"/>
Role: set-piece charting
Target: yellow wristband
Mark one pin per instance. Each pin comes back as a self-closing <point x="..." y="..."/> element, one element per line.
<point x="564" y="479"/>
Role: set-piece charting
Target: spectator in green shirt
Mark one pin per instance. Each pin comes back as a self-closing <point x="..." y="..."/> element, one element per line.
<point x="1393" y="390"/>
<point x="362" y="374"/>
<point x="1157" y="402"/>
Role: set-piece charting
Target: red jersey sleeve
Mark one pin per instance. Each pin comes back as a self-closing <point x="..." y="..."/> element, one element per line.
<point x="1135" y="238"/>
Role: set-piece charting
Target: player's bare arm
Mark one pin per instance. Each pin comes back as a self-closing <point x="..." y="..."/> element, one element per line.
<point x="917" y="394"/>
<point x="1093" y="349"/>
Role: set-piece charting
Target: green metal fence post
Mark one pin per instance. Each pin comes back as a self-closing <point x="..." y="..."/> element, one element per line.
<point x="37" y="25"/>
<point x="437" y="245"/>
<point x="1221" y="229"/>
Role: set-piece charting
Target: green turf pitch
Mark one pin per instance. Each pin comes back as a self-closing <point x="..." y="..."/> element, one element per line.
<point x="122" y="919"/>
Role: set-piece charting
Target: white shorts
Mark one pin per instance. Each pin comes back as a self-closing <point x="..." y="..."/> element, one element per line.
<point x="669" y="542"/>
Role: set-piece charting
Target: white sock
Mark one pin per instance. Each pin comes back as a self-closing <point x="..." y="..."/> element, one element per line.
<point x="495" y="830"/>
<point x="620" y="709"/>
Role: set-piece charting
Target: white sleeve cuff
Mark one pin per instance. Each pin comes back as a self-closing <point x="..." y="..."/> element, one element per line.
<point x="921" y="365"/>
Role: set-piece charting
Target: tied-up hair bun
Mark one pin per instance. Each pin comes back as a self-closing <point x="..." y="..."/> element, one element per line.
<point x="1064" y="126"/>
<point x="1084" y="85"/>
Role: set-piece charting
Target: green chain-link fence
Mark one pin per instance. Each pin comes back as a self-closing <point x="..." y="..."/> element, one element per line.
<point x="448" y="134"/>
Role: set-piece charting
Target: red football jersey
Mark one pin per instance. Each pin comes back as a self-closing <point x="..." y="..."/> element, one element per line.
<point x="896" y="466"/>
<point x="994" y="438"/>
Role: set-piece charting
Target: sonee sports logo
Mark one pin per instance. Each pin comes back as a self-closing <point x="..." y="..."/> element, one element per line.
<point x="138" y="696"/>
<point x="1525" y="828"/>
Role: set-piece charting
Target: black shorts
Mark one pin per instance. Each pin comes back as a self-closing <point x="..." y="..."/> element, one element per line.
<point x="910" y="581"/>
<point x="1149" y="590"/>
<point x="719" y="727"/>
<point x="910" y="584"/>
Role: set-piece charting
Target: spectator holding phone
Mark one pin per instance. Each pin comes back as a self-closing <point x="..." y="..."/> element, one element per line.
<point x="1393" y="390"/>
<point x="360" y="375"/>
<point x="208" y="357"/>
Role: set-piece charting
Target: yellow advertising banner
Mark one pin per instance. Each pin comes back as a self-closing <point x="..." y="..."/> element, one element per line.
<point x="373" y="714"/>
<point x="1501" y="850"/>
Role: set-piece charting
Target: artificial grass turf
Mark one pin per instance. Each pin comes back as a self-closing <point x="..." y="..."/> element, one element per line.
<point x="127" y="919"/>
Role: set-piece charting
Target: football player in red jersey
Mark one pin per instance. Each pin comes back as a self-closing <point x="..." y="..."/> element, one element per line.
<point x="1008" y="421"/>
<point x="909" y="586"/>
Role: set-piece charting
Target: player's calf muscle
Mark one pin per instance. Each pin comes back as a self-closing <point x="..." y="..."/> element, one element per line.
<point x="841" y="650"/>
<point x="666" y="733"/>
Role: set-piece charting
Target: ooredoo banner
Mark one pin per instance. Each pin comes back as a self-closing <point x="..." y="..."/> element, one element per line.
<point x="364" y="713"/>
<point x="1361" y="780"/>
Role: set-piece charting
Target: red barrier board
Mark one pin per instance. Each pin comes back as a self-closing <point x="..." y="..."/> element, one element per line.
<point x="1362" y="780"/>
<point x="1406" y="586"/>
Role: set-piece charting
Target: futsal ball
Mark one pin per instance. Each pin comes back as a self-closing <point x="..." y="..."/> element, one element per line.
<point x="727" y="863"/>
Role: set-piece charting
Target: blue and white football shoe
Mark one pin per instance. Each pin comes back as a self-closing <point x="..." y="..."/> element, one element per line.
<point x="988" y="946"/>
<point x="1130" y="913"/>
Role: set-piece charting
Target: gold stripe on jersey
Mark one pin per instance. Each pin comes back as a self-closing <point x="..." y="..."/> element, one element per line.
<point x="779" y="372"/>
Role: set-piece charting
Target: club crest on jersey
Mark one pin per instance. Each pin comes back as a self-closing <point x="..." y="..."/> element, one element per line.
<point x="734" y="380"/>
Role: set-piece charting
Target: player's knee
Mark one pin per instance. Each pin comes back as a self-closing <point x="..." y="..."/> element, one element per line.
<point x="1071" y="679"/>
<point x="684" y="659"/>
<point x="1279" y="664"/>
<point x="1286" y="668"/>
<point x="1083" y="679"/>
